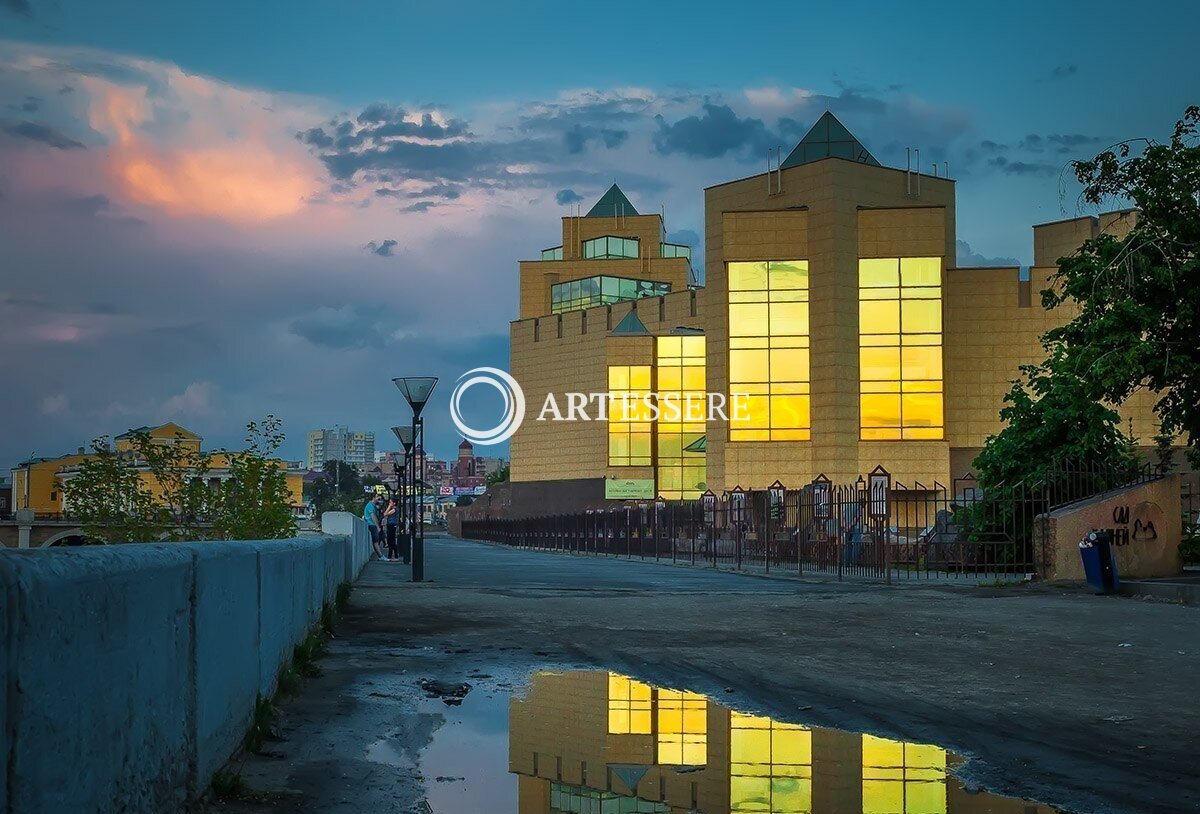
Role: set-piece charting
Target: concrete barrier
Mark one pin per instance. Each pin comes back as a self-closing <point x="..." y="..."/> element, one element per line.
<point x="129" y="674"/>
<point x="348" y="525"/>
<point x="1146" y="521"/>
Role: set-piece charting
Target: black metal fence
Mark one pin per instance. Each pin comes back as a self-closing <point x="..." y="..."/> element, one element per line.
<point x="873" y="528"/>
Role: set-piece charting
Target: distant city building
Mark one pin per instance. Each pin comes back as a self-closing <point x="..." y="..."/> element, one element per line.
<point x="37" y="483"/>
<point x="340" y="444"/>
<point x="5" y="494"/>
<point x="467" y="474"/>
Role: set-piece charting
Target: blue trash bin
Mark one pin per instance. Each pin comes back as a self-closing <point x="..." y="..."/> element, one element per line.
<point x="1099" y="565"/>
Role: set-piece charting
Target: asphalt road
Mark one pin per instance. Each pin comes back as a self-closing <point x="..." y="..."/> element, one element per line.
<point x="1083" y="702"/>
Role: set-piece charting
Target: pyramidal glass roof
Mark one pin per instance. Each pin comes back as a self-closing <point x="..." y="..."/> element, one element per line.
<point x="828" y="138"/>
<point x="631" y="325"/>
<point x="612" y="204"/>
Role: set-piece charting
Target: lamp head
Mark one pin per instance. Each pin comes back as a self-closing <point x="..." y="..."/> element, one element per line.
<point x="416" y="390"/>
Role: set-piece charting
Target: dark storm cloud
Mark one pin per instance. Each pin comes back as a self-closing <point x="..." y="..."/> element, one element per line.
<point x="420" y="206"/>
<point x="854" y="99"/>
<point x="384" y="248"/>
<point x="316" y="137"/>
<point x="42" y="133"/>
<point x="967" y="258"/>
<point x="576" y="139"/>
<point x="450" y="157"/>
<point x="350" y="327"/>
<point x="88" y="205"/>
<point x="567" y="196"/>
<point x="21" y="8"/>
<point x="589" y="116"/>
<point x="685" y="237"/>
<point x="1061" y="143"/>
<point x="1031" y="168"/>
<point x="713" y="133"/>
<point x="377" y="125"/>
<point x="31" y="105"/>
<point x="457" y="160"/>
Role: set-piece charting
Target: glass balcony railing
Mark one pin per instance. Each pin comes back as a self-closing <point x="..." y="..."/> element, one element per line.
<point x="610" y="248"/>
<point x="602" y="290"/>
<point x="552" y="254"/>
<point x="676" y="250"/>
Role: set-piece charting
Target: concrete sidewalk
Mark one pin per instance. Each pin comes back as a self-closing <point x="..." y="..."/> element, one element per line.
<point x="1079" y="701"/>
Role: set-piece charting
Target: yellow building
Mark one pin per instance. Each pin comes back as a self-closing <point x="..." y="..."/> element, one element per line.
<point x="599" y="741"/>
<point x="38" y="483"/>
<point x="832" y="307"/>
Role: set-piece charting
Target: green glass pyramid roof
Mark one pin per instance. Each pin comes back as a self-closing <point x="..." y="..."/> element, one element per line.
<point x="612" y="204"/>
<point x="631" y="325"/>
<point x="828" y="138"/>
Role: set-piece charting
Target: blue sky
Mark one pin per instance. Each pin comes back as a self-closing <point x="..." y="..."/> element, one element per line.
<point x="196" y="199"/>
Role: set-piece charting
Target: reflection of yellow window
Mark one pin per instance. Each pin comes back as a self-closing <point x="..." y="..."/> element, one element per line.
<point x="628" y="415"/>
<point x="680" y="365"/>
<point x="770" y="766"/>
<point x="900" y="348"/>
<point x="768" y="350"/>
<point x="682" y="728"/>
<point x="628" y="706"/>
<point x="902" y="778"/>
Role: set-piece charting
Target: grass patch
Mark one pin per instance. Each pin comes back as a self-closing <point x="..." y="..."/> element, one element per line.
<point x="329" y="617"/>
<point x="306" y="654"/>
<point x="227" y="783"/>
<point x="342" y="599"/>
<point x="260" y="726"/>
<point x="1002" y="583"/>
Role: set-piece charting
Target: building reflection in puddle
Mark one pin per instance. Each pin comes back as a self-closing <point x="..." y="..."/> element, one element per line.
<point x="595" y="742"/>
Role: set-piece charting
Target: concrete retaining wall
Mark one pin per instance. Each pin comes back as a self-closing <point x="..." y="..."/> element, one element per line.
<point x="1146" y="521"/>
<point x="128" y="674"/>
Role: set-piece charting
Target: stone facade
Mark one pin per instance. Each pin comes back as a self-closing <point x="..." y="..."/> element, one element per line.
<point x="830" y="213"/>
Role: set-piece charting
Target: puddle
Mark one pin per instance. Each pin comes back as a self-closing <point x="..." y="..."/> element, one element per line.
<point x="596" y="742"/>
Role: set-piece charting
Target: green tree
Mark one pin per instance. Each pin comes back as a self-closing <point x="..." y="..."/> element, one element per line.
<point x="340" y="489"/>
<point x="499" y="476"/>
<point x="254" y="502"/>
<point x="1136" y="318"/>
<point x="110" y="499"/>
<point x="158" y="490"/>
<point x="1138" y="325"/>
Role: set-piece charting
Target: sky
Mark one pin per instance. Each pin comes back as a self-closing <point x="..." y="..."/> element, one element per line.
<point x="210" y="212"/>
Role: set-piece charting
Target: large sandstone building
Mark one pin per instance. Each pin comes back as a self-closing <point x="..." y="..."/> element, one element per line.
<point x="831" y="301"/>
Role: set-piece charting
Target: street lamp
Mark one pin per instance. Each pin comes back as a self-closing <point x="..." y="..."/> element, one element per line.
<point x="416" y="391"/>
<point x="405" y="436"/>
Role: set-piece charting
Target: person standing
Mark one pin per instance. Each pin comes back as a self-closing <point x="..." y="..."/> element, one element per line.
<point x="371" y="516"/>
<point x="391" y="525"/>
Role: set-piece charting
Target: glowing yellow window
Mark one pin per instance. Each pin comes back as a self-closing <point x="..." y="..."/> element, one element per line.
<point x="682" y="728"/>
<point x="770" y="766"/>
<point x="680" y="362"/>
<point x="629" y="704"/>
<point x="902" y="778"/>
<point x="629" y="428"/>
<point x="769" y="350"/>
<point x="900" y="349"/>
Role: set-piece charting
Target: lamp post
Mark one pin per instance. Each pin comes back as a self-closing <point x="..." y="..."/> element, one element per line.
<point x="416" y="391"/>
<point x="405" y="436"/>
